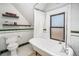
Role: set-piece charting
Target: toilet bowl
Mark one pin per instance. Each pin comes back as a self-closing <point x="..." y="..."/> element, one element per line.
<point x="12" y="45"/>
<point x="13" y="48"/>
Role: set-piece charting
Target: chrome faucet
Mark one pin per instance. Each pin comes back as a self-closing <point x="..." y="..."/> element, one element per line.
<point x="60" y="42"/>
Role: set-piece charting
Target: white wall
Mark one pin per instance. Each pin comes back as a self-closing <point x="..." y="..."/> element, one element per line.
<point x="75" y="17"/>
<point x="74" y="41"/>
<point x="26" y="9"/>
<point x="10" y="8"/>
<point x="25" y="34"/>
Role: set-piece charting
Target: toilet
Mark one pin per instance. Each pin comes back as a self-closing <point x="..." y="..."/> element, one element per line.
<point x="12" y="45"/>
<point x="12" y="42"/>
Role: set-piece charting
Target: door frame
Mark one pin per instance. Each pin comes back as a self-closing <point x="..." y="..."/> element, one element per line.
<point x="38" y="23"/>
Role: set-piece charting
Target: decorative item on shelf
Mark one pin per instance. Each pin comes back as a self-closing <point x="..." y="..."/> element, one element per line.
<point x="10" y="13"/>
<point x="15" y="23"/>
<point x="44" y="29"/>
<point x="7" y="14"/>
<point x="6" y="22"/>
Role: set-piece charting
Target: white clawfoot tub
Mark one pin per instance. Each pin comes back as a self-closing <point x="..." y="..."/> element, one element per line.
<point x="47" y="47"/>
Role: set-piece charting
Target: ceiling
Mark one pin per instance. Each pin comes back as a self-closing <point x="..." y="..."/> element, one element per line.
<point x="26" y="9"/>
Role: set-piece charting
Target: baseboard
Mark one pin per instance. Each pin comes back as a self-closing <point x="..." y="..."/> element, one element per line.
<point x="6" y="50"/>
<point x="23" y="44"/>
<point x="3" y="51"/>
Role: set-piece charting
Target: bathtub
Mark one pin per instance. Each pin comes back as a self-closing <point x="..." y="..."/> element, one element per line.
<point x="48" y="47"/>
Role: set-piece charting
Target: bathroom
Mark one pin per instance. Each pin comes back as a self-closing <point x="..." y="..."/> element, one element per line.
<point x="31" y="29"/>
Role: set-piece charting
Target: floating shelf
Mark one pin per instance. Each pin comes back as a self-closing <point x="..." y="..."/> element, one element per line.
<point x="12" y="16"/>
<point x="15" y="25"/>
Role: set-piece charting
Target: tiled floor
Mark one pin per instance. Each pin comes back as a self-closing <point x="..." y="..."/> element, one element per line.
<point x="25" y="50"/>
<point x="6" y="54"/>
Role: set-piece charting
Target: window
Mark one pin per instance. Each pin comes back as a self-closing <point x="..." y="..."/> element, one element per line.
<point x="57" y="26"/>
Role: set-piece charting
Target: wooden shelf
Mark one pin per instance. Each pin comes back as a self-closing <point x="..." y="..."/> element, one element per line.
<point x="12" y="16"/>
<point x="15" y="25"/>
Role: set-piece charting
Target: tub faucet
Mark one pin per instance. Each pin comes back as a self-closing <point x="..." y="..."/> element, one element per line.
<point x="60" y="42"/>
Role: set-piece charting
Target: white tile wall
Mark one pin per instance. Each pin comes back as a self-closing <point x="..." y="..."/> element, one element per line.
<point x="25" y="35"/>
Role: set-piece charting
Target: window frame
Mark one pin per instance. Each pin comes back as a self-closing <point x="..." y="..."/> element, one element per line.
<point x="57" y="27"/>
